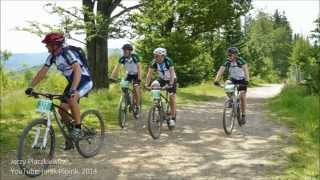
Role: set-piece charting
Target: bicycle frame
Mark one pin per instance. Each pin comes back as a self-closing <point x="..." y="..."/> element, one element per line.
<point x="159" y="102"/>
<point x="47" y="116"/>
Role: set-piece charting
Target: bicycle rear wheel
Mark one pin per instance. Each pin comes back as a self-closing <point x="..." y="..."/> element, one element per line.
<point x="33" y="154"/>
<point x="228" y="117"/>
<point x="93" y="134"/>
<point x="123" y="112"/>
<point x="155" y="122"/>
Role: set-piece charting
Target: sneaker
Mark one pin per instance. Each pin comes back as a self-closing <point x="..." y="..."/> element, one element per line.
<point x="75" y="133"/>
<point x="136" y="111"/>
<point x="172" y="123"/>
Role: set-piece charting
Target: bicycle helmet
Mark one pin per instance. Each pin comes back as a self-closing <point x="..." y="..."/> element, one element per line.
<point x="53" y="37"/>
<point x="127" y="46"/>
<point x="155" y="84"/>
<point x="160" y="51"/>
<point x="233" y="50"/>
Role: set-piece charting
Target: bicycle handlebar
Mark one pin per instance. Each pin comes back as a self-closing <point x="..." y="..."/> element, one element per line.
<point x="47" y="95"/>
<point x="161" y="88"/>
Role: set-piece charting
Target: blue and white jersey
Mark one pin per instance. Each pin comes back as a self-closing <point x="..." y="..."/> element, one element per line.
<point x="64" y="61"/>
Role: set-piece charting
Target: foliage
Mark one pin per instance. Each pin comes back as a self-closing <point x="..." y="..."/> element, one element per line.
<point x="268" y="45"/>
<point x="301" y="112"/>
<point x="185" y="28"/>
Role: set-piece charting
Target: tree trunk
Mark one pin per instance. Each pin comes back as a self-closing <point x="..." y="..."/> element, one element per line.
<point x="101" y="67"/>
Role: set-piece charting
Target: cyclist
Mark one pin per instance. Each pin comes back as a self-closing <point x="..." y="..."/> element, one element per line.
<point x="77" y="75"/>
<point x="167" y="77"/>
<point x="131" y="63"/>
<point x="238" y="74"/>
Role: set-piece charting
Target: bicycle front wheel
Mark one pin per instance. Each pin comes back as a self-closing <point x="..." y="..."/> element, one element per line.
<point x="155" y="122"/>
<point x="93" y="134"/>
<point x="228" y="117"/>
<point x="36" y="148"/>
<point x="123" y="112"/>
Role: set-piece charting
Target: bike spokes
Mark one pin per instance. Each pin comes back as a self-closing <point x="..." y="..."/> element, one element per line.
<point x="123" y="113"/>
<point x="155" y="122"/>
<point x="35" y="149"/>
<point x="228" y="117"/>
<point x="93" y="133"/>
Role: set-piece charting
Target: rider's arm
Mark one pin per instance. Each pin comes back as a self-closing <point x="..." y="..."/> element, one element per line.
<point x="246" y="71"/>
<point x="40" y="75"/>
<point x="219" y="74"/>
<point x="172" y="74"/>
<point x="149" y="76"/>
<point x="115" y="71"/>
<point x="76" y="75"/>
<point x="139" y="70"/>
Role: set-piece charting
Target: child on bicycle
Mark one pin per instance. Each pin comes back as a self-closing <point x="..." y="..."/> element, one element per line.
<point x="131" y="63"/>
<point x="167" y="77"/>
<point x="238" y="74"/>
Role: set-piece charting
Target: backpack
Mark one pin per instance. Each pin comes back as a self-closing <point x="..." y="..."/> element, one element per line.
<point x="79" y="52"/>
<point x="228" y="65"/>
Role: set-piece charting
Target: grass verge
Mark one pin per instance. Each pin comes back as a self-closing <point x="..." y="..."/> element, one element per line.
<point x="301" y="112"/>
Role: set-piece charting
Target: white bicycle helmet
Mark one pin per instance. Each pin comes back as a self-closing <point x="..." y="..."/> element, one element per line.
<point x="160" y="51"/>
<point x="155" y="84"/>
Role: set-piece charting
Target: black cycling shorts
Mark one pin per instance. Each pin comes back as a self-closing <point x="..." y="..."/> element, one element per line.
<point x="173" y="89"/>
<point x="242" y="84"/>
<point x="133" y="78"/>
<point x="84" y="87"/>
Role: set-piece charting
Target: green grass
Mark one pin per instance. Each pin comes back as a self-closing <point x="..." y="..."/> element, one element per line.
<point x="301" y="112"/>
<point x="17" y="110"/>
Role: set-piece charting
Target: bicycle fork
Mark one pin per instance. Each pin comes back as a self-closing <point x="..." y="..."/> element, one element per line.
<point x="38" y="132"/>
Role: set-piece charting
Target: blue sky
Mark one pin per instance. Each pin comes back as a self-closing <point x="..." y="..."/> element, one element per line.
<point x="300" y="14"/>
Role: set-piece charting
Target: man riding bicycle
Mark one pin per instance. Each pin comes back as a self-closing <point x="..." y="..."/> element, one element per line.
<point x="167" y="77"/>
<point x="131" y="63"/>
<point x="238" y="74"/>
<point x="76" y="73"/>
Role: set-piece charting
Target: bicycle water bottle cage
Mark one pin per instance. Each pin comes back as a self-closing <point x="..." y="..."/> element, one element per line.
<point x="155" y="94"/>
<point x="44" y="105"/>
<point x="124" y="84"/>
<point x="229" y="88"/>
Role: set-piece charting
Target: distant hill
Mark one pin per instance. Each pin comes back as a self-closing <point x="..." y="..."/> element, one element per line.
<point x="20" y="61"/>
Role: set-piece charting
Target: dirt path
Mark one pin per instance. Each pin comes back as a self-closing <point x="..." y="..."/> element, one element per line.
<point x="197" y="149"/>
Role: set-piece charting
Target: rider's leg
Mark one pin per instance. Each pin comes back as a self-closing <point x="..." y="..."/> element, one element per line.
<point x="64" y="116"/>
<point x="173" y="105"/>
<point x="243" y="101"/>
<point x="137" y="94"/>
<point x="75" y="109"/>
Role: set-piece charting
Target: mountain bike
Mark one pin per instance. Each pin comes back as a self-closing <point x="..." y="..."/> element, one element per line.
<point x="126" y="104"/>
<point x="159" y="112"/>
<point x="231" y="109"/>
<point x="37" y="142"/>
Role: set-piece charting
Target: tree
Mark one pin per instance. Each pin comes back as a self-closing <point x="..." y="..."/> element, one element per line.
<point x="282" y="40"/>
<point x="98" y="22"/>
<point x="187" y="29"/>
<point x="4" y="56"/>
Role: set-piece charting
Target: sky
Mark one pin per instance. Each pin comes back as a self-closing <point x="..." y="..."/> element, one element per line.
<point x="14" y="13"/>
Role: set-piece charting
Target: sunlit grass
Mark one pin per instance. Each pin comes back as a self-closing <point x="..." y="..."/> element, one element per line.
<point x="300" y="112"/>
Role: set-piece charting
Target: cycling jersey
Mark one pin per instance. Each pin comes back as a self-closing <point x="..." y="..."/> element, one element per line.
<point x="130" y="64"/>
<point x="64" y="61"/>
<point x="163" y="68"/>
<point x="235" y="69"/>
